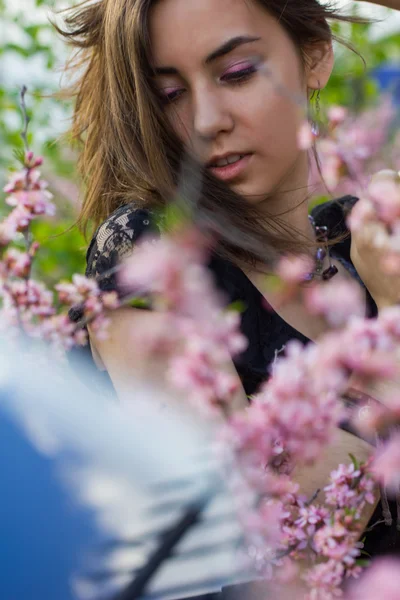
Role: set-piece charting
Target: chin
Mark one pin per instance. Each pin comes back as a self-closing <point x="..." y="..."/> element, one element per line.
<point x="251" y="195"/>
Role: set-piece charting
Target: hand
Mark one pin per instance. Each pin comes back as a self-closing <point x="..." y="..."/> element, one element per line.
<point x="370" y="245"/>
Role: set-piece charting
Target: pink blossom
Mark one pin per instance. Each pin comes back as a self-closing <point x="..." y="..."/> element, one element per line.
<point x="171" y="269"/>
<point x="386" y="466"/>
<point x="349" y="487"/>
<point x="78" y="291"/>
<point x="8" y="230"/>
<point x="324" y="581"/>
<point x="17" y="263"/>
<point x="380" y="580"/>
<point x="294" y="269"/>
<point x="333" y="541"/>
<point x="337" y="114"/>
<point x="28" y="191"/>
<point x="195" y="372"/>
<point x="384" y="193"/>
<point x="336" y="300"/>
<point x="60" y="332"/>
<point x="265" y="522"/>
<point x="100" y="325"/>
<point x="36" y="201"/>
<point x="353" y="143"/>
<point x="31" y="296"/>
<point x="172" y="273"/>
<point x="361" y="213"/>
<point x="18" y="220"/>
<point x="332" y="163"/>
<point x="305" y="136"/>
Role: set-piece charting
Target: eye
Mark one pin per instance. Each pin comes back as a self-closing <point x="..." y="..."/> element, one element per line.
<point x="239" y="75"/>
<point x="168" y="95"/>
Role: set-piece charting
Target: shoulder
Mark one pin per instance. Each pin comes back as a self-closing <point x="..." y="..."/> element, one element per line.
<point x="115" y="239"/>
<point x="333" y="214"/>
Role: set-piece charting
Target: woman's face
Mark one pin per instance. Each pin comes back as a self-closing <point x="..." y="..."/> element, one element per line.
<point x="229" y="73"/>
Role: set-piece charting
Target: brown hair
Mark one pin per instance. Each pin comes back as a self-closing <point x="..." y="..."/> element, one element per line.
<point x="128" y="152"/>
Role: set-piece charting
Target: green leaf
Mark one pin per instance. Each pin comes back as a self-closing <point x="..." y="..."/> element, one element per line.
<point x="362" y="562"/>
<point x="19" y="155"/>
<point x="237" y="306"/>
<point x="139" y="303"/>
<point x="173" y="217"/>
<point x="354" y="461"/>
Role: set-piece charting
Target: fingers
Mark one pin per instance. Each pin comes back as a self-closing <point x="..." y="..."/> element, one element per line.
<point x="373" y="235"/>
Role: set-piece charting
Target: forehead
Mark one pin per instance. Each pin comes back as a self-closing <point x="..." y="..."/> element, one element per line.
<point x="190" y="29"/>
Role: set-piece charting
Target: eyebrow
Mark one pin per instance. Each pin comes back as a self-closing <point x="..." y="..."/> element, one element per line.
<point x="224" y="49"/>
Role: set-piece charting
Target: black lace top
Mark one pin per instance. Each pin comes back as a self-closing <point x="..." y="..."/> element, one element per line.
<point x="266" y="331"/>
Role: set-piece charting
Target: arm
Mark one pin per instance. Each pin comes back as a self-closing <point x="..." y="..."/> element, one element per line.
<point x="122" y="355"/>
<point x="127" y="365"/>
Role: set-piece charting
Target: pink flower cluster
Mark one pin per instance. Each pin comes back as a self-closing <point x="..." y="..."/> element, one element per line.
<point x="349" y="148"/>
<point x="284" y="529"/>
<point x="337" y="300"/>
<point x="380" y="206"/>
<point x="27" y="304"/>
<point x="296" y="411"/>
<point x="171" y="272"/>
<point x="288" y="424"/>
<point x="386" y="466"/>
<point x="381" y="580"/>
<point x="30" y="197"/>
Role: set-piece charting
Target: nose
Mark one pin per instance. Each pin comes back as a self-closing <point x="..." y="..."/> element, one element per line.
<point x="212" y="115"/>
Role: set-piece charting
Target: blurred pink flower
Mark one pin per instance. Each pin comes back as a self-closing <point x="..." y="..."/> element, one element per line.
<point x="293" y="269"/>
<point x="28" y="191"/>
<point x="17" y="263"/>
<point x="350" y="487"/>
<point x="324" y="581"/>
<point x="361" y="213"/>
<point x="337" y="114"/>
<point x="336" y="300"/>
<point x="380" y="580"/>
<point x="385" y="196"/>
<point x="386" y="465"/>
<point x="305" y="136"/>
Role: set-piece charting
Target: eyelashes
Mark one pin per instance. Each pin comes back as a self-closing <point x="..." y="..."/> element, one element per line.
<point x="233" y="78"/>
<point x="239" y="76"/>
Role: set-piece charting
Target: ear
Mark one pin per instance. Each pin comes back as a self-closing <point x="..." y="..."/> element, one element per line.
<point x="319" y="64"/>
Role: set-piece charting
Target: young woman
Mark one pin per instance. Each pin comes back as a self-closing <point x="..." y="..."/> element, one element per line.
<point x="220" y="82"/>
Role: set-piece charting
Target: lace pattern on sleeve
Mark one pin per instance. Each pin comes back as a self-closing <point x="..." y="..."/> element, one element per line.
<point x="115" y="240"/>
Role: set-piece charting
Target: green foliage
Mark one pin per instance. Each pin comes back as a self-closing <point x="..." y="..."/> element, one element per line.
<point x="62" y="252"/>
<point x="351" y="83"/>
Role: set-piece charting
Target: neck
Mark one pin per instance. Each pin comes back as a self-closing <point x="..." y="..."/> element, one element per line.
<point x="289" y="203"/>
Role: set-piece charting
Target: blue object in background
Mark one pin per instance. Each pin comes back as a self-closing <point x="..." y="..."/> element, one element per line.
<point x="43" y="534"/>
<point x="388" y="79"/>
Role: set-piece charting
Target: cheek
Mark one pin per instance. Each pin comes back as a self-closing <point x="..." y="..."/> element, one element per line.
<point x="273" y="121"/>
<point x="180" y="121"/>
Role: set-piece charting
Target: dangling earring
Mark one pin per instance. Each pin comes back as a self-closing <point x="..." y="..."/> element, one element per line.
<point x="315" y="122"/>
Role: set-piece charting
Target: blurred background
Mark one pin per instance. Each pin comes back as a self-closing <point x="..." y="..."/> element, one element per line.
<point x="32" y="54"/>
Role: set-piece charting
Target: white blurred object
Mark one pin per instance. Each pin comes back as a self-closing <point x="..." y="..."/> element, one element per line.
<point x="139" y="468"/>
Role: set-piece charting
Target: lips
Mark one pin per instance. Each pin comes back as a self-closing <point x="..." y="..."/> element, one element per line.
<point x="223" y="162"/>
<point x="229" y="167"/>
